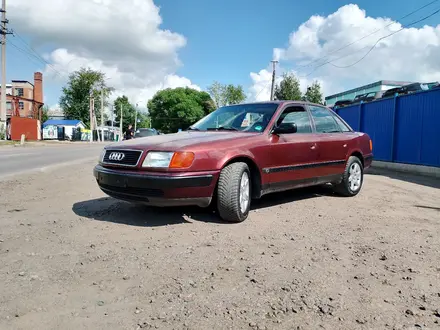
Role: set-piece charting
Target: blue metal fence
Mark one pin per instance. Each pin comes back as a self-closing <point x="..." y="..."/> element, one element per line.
<point x="404" y="129"/>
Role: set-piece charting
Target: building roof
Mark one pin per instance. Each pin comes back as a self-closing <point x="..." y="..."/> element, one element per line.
<point x="62" y="122"/>
<point x="377" y="83"/>
<point x="22" y="82"/>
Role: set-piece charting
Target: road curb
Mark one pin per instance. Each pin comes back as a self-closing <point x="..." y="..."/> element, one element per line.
<point x="429" y="171"/>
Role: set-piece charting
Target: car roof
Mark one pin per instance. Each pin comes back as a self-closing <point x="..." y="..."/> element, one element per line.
<point x="280" y="102"/>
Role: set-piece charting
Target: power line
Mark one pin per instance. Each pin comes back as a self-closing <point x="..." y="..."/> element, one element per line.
<point x="31" y="51"/>
<point x="322" y="64"/>
<point x="26" y="53"/>
<point x="382" y="38"/>
<point x="366" y="36"/>
<point x="370" y="47"/>
<point x="261" y="91"/>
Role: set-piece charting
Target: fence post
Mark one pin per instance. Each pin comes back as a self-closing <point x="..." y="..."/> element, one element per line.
<point x="360" y="116"/>
<point x="393" y="128"/>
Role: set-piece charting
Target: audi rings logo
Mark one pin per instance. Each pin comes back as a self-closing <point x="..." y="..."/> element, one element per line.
<point x="118" y="156"/>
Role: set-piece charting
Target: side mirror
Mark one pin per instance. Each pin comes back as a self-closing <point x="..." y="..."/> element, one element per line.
<point x="285" y="128"/>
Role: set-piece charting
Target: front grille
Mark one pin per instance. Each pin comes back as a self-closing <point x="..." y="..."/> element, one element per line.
<point x="130" y="157"/>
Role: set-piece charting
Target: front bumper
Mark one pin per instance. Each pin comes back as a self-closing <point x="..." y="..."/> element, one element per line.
<point x="159" y="189"/>
<point x="368" y="160"/>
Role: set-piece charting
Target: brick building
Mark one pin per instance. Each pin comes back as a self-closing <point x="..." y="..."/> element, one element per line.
<point x="26" y="97"/>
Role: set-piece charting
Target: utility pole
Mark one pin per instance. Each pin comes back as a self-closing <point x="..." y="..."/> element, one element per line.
<point x="136" y="117"/>
<point x="272" y="89"/>
<point x="102" y="112"/>
<point x="4" y="31"/>
<point x="112" y="113"/>
<point x="92" y="104"/>
<point x="120" y="124"/>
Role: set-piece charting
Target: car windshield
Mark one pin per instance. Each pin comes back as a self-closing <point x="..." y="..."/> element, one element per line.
<point x="144" y="132"/>
<point x="241" y="117"/>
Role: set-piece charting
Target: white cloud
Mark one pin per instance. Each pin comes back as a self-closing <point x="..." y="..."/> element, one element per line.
<point x="124" y="41"/>
<point x="409" y="55"/>
<point x="261" y="83"/>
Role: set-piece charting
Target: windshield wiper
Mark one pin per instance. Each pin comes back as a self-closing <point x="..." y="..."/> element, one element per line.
<point x="222" y="128"/>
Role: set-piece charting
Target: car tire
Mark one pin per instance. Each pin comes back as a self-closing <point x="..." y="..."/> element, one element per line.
<point x="234" y="192"/>
<point x="352" y="179"/>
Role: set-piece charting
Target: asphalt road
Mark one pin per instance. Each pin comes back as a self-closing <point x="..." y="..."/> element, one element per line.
<point x="17" y="160"/>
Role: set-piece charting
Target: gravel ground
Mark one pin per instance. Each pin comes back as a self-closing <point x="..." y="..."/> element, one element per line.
<point x="71" y="258"/>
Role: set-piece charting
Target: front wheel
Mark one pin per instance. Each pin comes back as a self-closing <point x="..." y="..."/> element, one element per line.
<point x="352" y="179"/>
<point x="234" y="192"/>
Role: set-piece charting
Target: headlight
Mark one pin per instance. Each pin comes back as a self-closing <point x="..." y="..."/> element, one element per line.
<point x="158" y="159"/>
<point x="162" y="159"/>
<point x="101" y="157"/>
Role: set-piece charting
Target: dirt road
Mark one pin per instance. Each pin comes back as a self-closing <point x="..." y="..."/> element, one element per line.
<point x="71" y="258"/>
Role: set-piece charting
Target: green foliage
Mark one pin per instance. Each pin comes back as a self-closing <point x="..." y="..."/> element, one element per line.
<point x="44" y="114"/>
<point x="216" y="90"/>
<point x="314" y="93"/>
<point x="75" y="95"/>
<point x="288" y="89"/>
<point x="226" y="94"/>
<point x="143" y="120"/>
<point x="171" y="109"/>
<point x="234" y="94"/>
<point x="128" y="111"/>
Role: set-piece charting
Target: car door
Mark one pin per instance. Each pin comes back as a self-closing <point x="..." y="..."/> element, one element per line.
<point x="291" y="156"/>
<point x="332" y="142"/>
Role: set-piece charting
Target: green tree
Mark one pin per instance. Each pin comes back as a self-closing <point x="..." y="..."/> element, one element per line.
<point x="314" y="93"/>
<point x="234" y="94"/>
<point x="226" y="94"/>
<point x="217" y="92"/>
<point x="44" y="114"/>
<point x="143" y="120"/>
<point x="75" y="95"/>
<point x="288" y="89"/>
<point x="171" y="109"/>
<point x="128" y="111"/>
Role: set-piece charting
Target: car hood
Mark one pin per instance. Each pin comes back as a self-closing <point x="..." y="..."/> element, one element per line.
<point x="181" y="140"/>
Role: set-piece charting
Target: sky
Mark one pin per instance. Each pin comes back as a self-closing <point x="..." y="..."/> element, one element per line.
<point x="147" y="45"/>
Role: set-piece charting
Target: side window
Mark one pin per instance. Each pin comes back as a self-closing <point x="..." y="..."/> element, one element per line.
<point x="297" y="115"/>
<point x="342" y="126"/>
<point x="324" y="120"/>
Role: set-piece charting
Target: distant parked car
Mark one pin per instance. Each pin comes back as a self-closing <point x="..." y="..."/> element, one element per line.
<point x="367" y="97"/>
<point x="407" y="89"/>
<point x="238" y="153"/>
<point x="144" y="132"/>
<point x="342" y="103"/>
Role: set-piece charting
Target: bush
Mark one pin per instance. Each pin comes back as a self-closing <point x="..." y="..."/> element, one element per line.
<point x="2" y="132"/>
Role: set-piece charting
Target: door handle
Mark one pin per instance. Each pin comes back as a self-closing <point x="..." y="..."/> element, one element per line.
<point x="313" y="147"/>
<point x="345" y="145"/>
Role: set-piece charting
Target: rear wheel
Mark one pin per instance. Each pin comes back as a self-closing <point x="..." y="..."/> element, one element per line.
<point x="234" y="192"/>
<point x="352" y="178"/>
